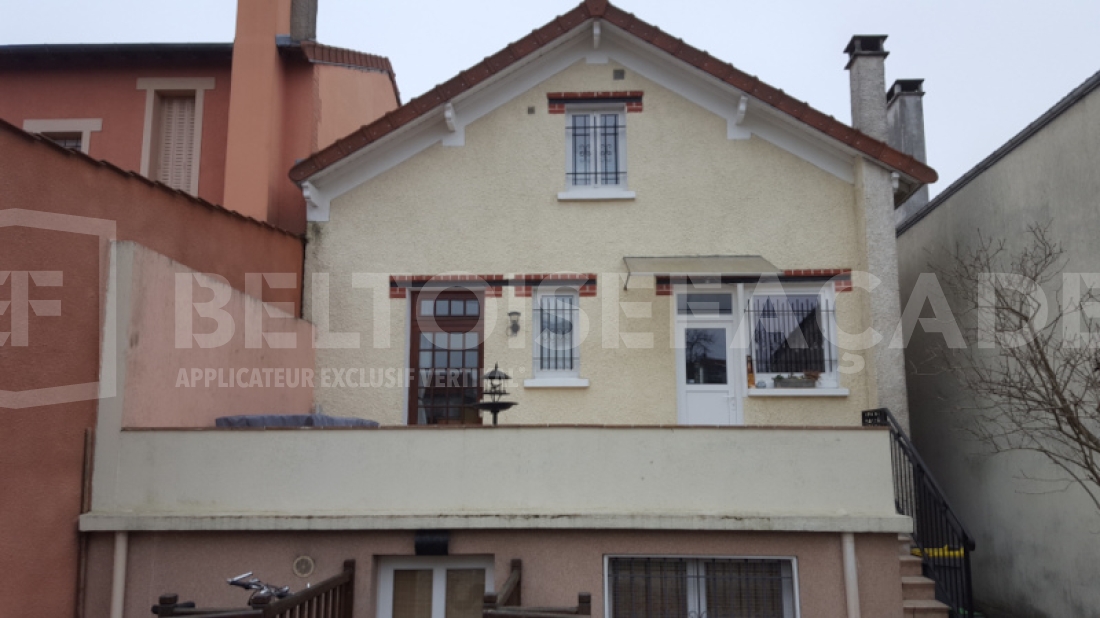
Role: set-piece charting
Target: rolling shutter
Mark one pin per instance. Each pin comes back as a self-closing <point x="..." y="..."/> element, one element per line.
<point x="177" y="141"/>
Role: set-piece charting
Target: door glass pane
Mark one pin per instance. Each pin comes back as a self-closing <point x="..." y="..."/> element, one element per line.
<point x="441" y="340"/>
<point x="440" y="359"/>
<point x="471" y="341"/>
<point x="705" y="353"/>
<point x="458" y="307"/>
<point x="471" y="308"/>
<point x="442" y="307"/>
<point x="425" y="359"/>
<point x="456" y="359"/>
<point x="425" y="342"/>
<point x="456" y="342"/>
<point x="426" y="307"/>
<point x="471" y="360"/>
<point x="412" y="593"/>
<point x="465" y="592"/>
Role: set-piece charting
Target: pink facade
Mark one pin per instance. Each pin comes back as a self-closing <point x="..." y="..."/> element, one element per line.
<point x="264" y="105"/>
<point x="557" y="564"/>
<point x="42" y="450"/>
<point x="110" y="93"/>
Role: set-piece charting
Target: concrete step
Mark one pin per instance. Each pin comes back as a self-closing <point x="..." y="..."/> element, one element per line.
<point x="918" y="589"/>
<point x="924" y="609"/>
<point x="910" y="566"/>
<point x="904" y="544"/>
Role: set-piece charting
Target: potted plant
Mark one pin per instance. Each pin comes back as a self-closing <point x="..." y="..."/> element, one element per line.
<point x="806" y="380"/>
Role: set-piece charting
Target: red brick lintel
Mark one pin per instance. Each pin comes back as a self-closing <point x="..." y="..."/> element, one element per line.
<point x="493" y="284"/>
<point x="632" y="99"/>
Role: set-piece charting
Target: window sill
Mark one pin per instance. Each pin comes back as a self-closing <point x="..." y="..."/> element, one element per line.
<point x="595" y="195"/>
<point x="798" y="392"/>
<point x="556" y="383"/>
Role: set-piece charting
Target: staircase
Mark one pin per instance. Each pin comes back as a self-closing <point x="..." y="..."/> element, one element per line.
<point x="935" y="559"/>
<point x="918" y="593"/>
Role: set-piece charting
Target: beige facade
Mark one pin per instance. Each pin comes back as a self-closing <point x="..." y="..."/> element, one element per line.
<point x="491" y="207"/>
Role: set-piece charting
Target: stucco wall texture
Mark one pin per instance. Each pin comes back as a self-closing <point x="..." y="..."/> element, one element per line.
<point x="1037" y="544"/>
<point x="556" y="565"/>
<point x="42" y="448"/>
<point x="155" y="392"/>
<point x="111" y="94"/>
<point x="491" y="207"/>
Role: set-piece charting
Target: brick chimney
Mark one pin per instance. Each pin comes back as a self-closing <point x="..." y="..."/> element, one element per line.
<point x="905" y="128"/>
<point x="867" y="72"/>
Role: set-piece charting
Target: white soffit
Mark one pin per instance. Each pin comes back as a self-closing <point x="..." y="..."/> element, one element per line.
<point x="756" y="118"/>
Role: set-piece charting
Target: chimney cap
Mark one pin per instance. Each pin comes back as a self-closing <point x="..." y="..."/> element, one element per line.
<point x="905" y="87"/>
<point x="866" y="45"/>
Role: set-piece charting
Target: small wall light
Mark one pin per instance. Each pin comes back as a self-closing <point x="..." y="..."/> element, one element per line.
<point x="513" y="328"/>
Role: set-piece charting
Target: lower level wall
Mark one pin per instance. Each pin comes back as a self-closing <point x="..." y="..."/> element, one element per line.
<point x="557" y="565"/>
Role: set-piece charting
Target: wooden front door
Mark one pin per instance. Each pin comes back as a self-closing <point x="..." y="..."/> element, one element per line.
<point x="447" y="353"/>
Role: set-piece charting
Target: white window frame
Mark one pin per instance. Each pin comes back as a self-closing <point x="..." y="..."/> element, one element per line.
<point x="693" y="569"/>
<point x="555" y="378"/>
<point x="439" y="566"/>
<point x="829" y="383"/>
<point x="84" y="126"/>
<point x="595" y="191"/>
<point x="156" y="87"/>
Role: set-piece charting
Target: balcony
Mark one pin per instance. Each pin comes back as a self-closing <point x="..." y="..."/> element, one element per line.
<point x="660" y="477"/>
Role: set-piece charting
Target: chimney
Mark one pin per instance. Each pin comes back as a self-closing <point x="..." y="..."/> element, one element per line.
<point x="303" y="20"/>
<point x="867" y="72"/>
<point x="905" y="128"/>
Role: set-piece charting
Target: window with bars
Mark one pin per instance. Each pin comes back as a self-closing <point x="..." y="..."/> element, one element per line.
<point x="793" y="334"/>
<point x="557" y="344"/>
<point x="701" y="588"/>
<point x="597" y="149"/>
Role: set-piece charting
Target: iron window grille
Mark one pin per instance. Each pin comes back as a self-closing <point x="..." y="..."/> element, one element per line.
<point x="556" y="341"/>
<point x="701" y="588"/>
<point x="597" y="148"/>
<point x="792" y="334"/>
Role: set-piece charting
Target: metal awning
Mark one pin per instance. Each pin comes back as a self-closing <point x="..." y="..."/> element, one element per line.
<point x="715" y="265"/>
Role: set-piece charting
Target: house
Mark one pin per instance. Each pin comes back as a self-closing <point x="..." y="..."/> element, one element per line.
<point x="1036" y="535"/>
<point x="619" y="222"/>
<point x="145" y="143"/>
<point x="221" y="121"/>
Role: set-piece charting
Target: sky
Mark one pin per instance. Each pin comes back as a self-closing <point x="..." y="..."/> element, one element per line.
<point x="990" y="67"/>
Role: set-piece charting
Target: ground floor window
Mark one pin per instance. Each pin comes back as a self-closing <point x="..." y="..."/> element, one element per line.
<point x="701" y="588"/>
<point x="435" y="587"/>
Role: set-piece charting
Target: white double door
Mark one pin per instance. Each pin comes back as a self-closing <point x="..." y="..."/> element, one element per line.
<point x="710" y="368"/>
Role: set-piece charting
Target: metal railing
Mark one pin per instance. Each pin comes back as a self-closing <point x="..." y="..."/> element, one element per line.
<point x="332" y="598"/>
<point x="939" y="538"/>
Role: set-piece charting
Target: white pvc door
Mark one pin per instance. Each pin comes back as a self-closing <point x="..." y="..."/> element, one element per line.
<point x="705" y="373"/>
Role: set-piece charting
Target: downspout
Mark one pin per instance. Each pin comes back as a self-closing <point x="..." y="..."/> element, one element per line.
<point x="851" y="581"/>
<point x="118" y="581"/>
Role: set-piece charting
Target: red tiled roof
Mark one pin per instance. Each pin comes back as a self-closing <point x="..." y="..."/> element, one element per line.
<point x="327" y="54"/>
<point x="601" y="9"/>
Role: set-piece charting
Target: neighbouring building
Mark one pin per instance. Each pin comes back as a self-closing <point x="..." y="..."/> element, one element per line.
<point x="1038" y="538"/>
<point x="221" y="121"/>
<point x="669" y="258"/>
<point x="157" y="135"/>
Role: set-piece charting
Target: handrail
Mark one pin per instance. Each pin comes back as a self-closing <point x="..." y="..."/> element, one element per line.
<point x="942" y="541"/>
